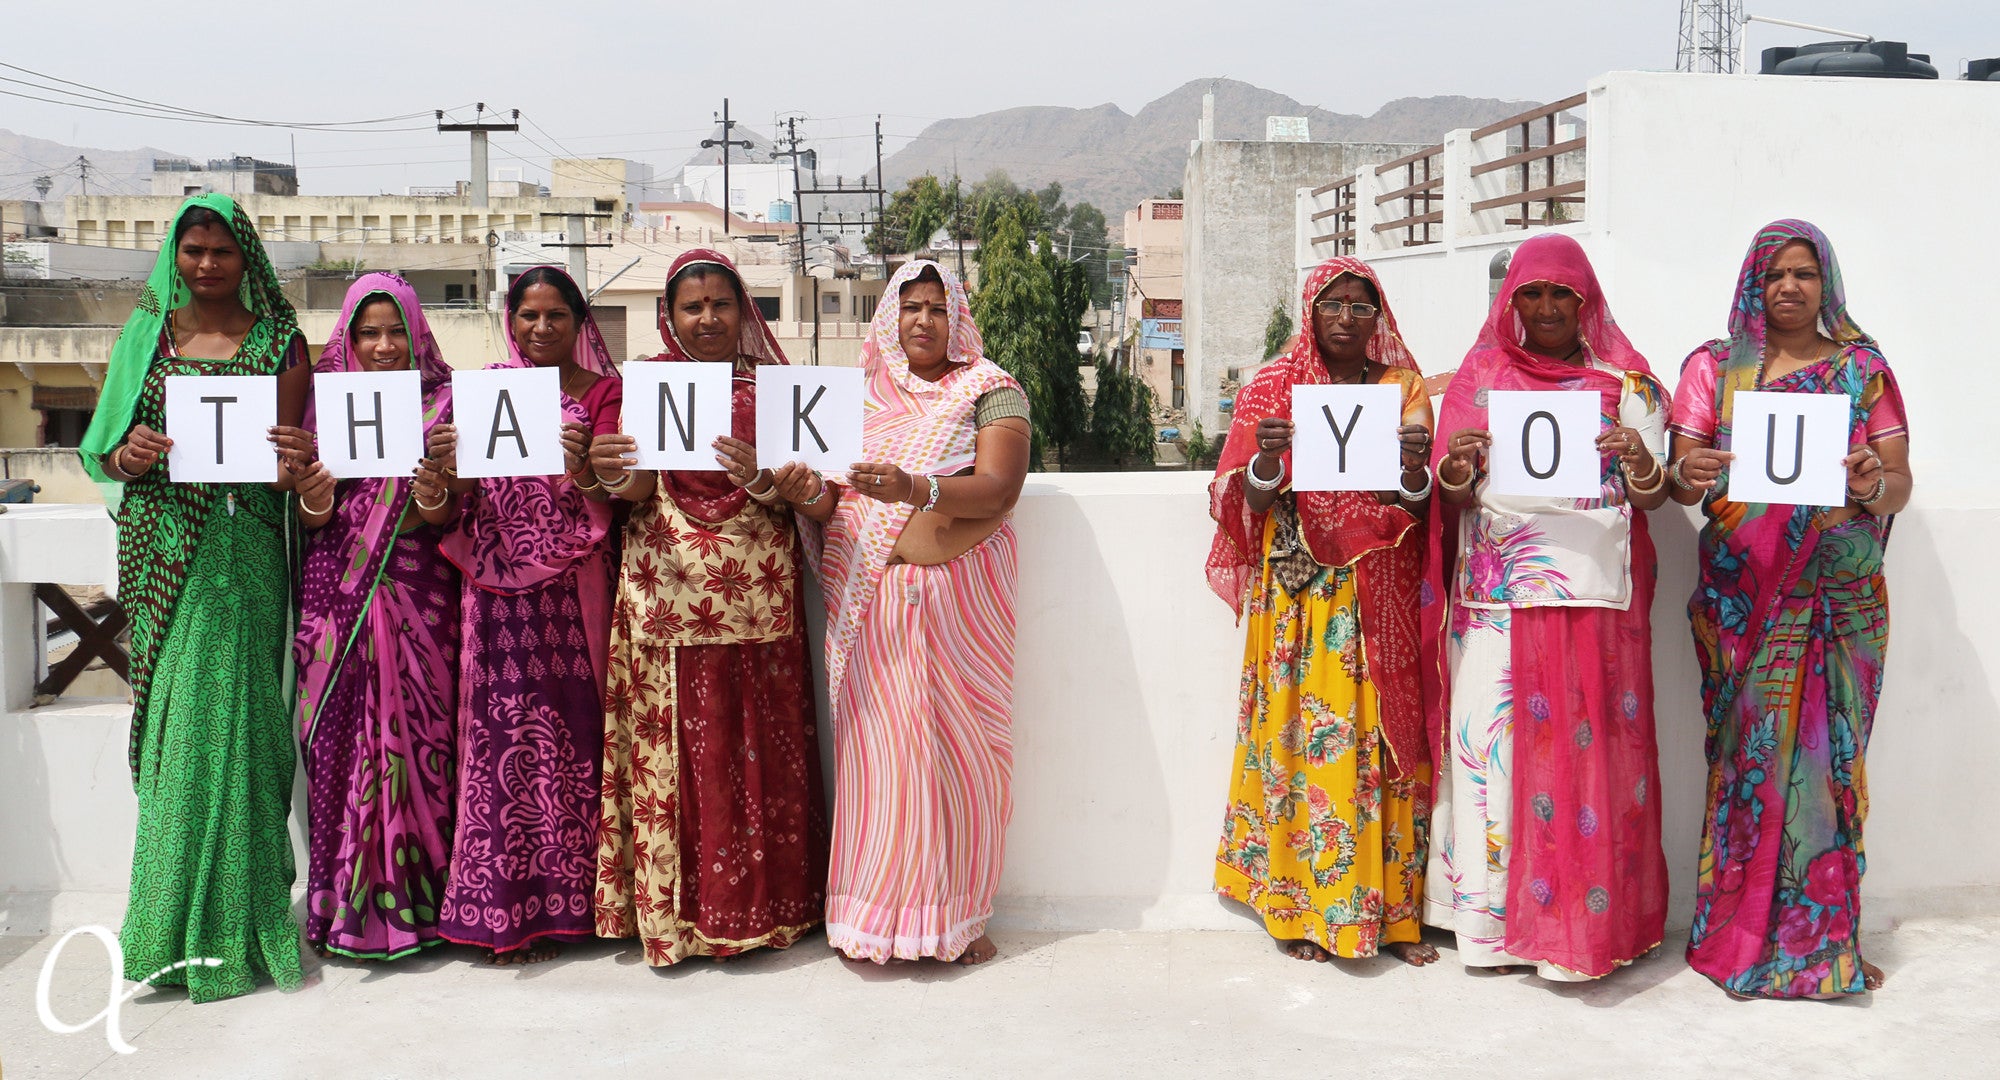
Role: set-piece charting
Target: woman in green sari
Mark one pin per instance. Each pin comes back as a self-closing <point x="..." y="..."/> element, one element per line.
<point x="202" y="573"/>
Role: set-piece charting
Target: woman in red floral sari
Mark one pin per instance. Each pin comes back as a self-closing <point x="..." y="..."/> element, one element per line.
<point x="713" y="838"/>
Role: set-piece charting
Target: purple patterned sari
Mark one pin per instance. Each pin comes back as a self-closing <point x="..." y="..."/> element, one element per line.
<point x="536" y="555"/>
<point x="378" y="633"/>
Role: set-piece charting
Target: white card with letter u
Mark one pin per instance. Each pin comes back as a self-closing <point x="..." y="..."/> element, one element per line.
<point x="509" y="421"/>
<point x="1545" y="443"/>
<point x="809" y="414"/>
<point x="1789" y="448"/>
<point x="220" y="425"/>
<point x="676" y="410"/>
<point x="1344" y="438"/>
<point x="369" y="423"/>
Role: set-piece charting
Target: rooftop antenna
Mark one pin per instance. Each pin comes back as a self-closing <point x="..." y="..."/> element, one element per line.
<point x="1709" y="36"/>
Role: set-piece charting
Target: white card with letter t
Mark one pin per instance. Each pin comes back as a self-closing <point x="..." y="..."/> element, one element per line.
<point x="220" y="425"/>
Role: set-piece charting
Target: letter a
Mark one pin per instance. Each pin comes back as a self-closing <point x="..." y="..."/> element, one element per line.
<point x="505" y="402"/>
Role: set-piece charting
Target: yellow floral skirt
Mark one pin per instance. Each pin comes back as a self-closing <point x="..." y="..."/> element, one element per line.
<point x="1316" y="838"/>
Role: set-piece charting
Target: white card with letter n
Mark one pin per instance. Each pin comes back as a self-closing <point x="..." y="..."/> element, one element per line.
<point x="1545" y="443"/>
<point x="369" y="423"/>
<point x="809" y="414"/>
<point x="676" y="410"/>
<point x="509" y="421"/>
<point x="1789" y="448"/>
<point x="1344" y="438"/>
<point x="220" y="425"/>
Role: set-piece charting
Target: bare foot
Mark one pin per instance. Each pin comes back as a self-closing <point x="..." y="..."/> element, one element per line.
<point x="1413" y="953"/>
<point x="981" y="950"/>
<point x="534" y="953"/>
<point x="1503" y="969"/>
<point x="1300" y="949"/>
<point x="1871" y="976"/>
<point x="319" y="951"/>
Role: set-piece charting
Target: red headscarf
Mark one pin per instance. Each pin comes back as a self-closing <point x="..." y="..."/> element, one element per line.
<point x="1340" y="528"/>
<point x="709" y="496"/>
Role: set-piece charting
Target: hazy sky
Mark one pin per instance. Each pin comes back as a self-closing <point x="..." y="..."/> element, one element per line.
<point x="642" y="80"/>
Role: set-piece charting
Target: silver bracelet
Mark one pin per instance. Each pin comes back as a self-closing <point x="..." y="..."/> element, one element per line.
<point x="932" y="501"/>
<point x="1250" y="476"/>
<point x="817" y="495"/>
<point x="1881" y="489"/>
<point x="1674" y="474"/>
<point x="1415" y="496"/>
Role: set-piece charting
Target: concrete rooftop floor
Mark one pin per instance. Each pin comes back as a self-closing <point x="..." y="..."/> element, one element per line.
<point x="1167" y="1004"/>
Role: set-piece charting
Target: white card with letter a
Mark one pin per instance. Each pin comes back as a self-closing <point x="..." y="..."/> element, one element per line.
<point x="1545" y="443"/>
<point x="676" y="410"/>
<point x="809" y="414"/>
<point x="1789" y="448"/>
<point x="220" y="425"/>
<point x="369" y="423"/>
<point x="509" y="421"/>
<point x="1344" y="438"/>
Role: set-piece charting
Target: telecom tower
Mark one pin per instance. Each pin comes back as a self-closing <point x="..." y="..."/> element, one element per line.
<point x="1710" y="33"/>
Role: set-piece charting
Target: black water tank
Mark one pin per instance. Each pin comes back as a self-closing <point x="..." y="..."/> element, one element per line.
<point x="1850" y="59"/>
<point x="1983" y="70"/>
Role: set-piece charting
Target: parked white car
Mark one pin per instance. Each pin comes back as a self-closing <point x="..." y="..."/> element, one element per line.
<point x="1083" y="342"/>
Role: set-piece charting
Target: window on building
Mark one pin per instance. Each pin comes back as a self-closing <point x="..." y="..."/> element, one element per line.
<point x="767" y="306"/>
<point x="454" y="293"/>
<point x="65" y="412"/>
<point x="829" y="304"/>
<point x="190" y="189"/>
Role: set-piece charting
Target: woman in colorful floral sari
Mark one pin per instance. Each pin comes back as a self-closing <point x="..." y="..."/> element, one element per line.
<point x="202" y="573"/>
<point x="714" y="829"/>
<point x="1791" y="625"/>
<point x="1545" y="838"/>
<point x="377" y="655"/>
<point x="1329" y="803"/>
<point x="535" y="553"/>
<point x="918" y="570"/>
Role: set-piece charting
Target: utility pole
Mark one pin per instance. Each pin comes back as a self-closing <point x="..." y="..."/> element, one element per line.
<point x="882" y="211"/>
<point x="728" y="128"/>
<point x="479" y="128"/>
<point x="83" y="173"/>
<point x="576" y="239"/>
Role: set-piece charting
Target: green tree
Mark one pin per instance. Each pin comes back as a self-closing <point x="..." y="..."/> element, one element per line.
<point x="1201" y="454"/>
<point x="1028" y="318"/>
<point x="1086" y="240"/>
<point x="1121" y="417"/>
<point x="1277" y="332"/>
<point x="915" y="213"/>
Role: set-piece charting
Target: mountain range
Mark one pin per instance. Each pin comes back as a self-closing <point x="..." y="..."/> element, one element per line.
<point x="1113" y="159"/>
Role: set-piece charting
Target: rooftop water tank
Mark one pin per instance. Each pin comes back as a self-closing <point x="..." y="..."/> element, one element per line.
<point x="1987" y="70"/>
<point x="1850" y="59"/>
<point x="781" y="210"/>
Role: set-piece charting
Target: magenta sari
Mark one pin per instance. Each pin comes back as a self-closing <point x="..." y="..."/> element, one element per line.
<point x="376" y="653"/>
<point x="536" y="556"/>
<point x="1585" y="878"/>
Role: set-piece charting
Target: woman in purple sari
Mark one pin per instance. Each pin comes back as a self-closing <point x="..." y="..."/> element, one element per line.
<point x="536" y="555"/>
<point x="377" y="652"/>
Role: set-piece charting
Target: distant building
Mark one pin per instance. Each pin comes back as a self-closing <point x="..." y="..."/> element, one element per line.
<point x="181" y="178"/>
<point x="1239" y="250"/>
<point x="1154" y="298"/>
<point x="616" y="185"/>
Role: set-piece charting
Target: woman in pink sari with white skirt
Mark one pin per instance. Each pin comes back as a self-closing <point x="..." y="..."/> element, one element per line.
<point x="917" y="563"/>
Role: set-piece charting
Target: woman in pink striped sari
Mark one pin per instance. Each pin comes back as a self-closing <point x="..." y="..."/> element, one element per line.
<point x="917" y="564"/>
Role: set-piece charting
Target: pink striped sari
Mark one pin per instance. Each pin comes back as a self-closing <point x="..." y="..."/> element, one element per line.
<point x="920" y="672"/>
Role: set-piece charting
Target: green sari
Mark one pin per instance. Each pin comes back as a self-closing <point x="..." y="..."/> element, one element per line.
<point x="203" y="574"/>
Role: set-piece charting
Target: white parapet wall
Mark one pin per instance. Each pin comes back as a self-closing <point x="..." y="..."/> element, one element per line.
<point x="1125" y="715"/>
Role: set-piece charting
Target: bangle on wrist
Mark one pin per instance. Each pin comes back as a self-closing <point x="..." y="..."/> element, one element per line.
<point x="1465" y="485"/>
<point x="310" y="512"/>
<point x="931" y="502"/>
<point x="418" y="498"/>
<point x="1418" y="495"/>
<point x="1634" y="487"/>
<point x="1674" y="474"/>
<point x="1881" y="489"/>
<point x="588" y="474"/>
<point x="767" y="496"/>
<point x="625" y="480"/>
<point x="116" y="460"/>
<point x="817" y="495"/>
<point x="1250" y="475"/>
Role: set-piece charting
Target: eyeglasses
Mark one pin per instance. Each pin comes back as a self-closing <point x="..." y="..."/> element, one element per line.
<point x="1334" y="309"/>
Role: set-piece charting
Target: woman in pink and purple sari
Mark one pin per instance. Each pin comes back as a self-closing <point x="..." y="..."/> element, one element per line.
<point x="1545" y="832"/>
<point x="377" y="656"/>
<point x="1791" y="625"/>
<point x="536" y="555"/>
